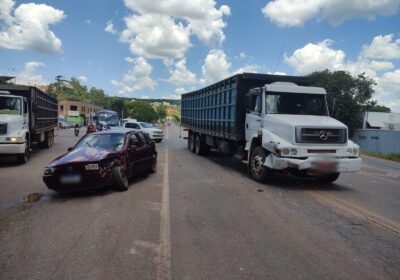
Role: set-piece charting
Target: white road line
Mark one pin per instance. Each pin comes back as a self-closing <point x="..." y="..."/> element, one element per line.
<point x="164" y="257"/>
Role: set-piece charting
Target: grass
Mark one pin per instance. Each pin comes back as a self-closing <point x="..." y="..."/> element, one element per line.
<point x="391" y="156"/>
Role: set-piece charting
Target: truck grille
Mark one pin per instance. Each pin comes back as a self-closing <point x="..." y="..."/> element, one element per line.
<point x="3" y="128"/>
<point x="321" y="135"/>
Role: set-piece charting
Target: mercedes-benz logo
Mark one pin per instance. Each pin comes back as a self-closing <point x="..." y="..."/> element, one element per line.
<point x="323" y="135"/>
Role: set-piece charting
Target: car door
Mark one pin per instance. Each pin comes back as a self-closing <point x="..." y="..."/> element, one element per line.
<point x="148" y="151"/>
<point x="135" y="152"/>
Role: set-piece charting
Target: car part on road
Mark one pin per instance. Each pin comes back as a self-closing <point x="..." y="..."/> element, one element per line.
<point x="258" y="171"/>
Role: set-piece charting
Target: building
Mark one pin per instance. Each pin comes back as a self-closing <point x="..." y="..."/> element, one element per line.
<point x="380" y="133"/>
<point x="74" y="111"/>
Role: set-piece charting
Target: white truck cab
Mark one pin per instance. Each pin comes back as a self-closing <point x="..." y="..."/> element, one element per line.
<point x="288" y="128"/>
<point x="14" y="124"/>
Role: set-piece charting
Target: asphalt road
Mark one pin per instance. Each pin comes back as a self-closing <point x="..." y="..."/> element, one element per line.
<point x="201" y="218"/>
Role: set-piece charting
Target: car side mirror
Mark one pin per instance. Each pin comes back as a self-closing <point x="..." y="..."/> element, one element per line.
<point x="70" y="149"/>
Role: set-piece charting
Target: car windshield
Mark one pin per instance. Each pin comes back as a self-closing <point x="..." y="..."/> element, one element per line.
<point x="146" y="125"/>
<point x="295" y="104"/>
<point x="112" y="141"/>
<point x="10" y="106"/>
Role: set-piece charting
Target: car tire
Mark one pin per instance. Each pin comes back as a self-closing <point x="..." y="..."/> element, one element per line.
<point x="153" y="168"/>
<point x="258" y="171"/>
<point x="120" y="182"/>
<point x="329" y="178"/>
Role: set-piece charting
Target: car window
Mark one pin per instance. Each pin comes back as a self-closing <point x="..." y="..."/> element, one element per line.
<point x="146" y="125"/>
<point x="132" y="125"/>
<point x="141" y="136"/>
<point x="134" y="139"/>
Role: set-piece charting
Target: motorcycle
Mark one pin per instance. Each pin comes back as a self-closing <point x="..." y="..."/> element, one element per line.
<point x="76" y="130"/>
<point x="90" y="128"/>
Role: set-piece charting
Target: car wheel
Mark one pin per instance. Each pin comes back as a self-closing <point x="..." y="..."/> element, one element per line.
<point x="120" y="182"/>
<point x="327" y="179"/>
<point x="153" y="168"/>
<point x="258" y="171"/>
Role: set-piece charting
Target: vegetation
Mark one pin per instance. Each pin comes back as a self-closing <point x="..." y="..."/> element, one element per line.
<point x="391" y="156"/>
<point x="141" y="110"/>
<point x="347" y="96"/>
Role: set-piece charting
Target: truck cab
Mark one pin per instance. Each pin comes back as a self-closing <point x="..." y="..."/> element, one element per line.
<point x="288" y="128"/>
<point x="14" y="124"/>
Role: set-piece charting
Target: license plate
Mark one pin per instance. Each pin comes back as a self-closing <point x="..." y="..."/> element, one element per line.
<point x="326" y="165"/>
<point x="70" y="179"/>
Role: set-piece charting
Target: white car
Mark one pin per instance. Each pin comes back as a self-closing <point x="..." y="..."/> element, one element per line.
<point x="155" y="133"/>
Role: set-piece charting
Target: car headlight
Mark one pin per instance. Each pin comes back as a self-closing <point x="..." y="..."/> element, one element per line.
<point x="49" y="171"/>
<point x="92" y="166"/>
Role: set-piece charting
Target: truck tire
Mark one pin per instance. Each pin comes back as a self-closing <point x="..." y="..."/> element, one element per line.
<point x="198" y="146"/>
<point x="329" y="178"/>
<point x="258" y="171"/>
<point x="48" y="140"/>
<point x="23" y="158"/>
<point x="120" y="182"/>
<point x="191" y="143"/>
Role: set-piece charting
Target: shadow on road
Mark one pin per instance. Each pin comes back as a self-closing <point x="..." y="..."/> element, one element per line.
<point x="278" y="180"/>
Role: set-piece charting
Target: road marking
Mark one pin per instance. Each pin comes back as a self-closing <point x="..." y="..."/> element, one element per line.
<point x="164" y="251"/>
<point x="330" y="200"/>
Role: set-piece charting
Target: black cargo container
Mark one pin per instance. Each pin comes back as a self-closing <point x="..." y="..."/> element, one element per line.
<point x="43" y="108"/>
<point x="220" y="109"/>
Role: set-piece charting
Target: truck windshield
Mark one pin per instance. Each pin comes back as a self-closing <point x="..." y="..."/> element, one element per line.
<point x="295" y="104"/>
<point x="10" y="105"/>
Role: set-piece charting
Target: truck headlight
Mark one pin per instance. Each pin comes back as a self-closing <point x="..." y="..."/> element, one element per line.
<point x="285" y="151"/>
<point x="16" y="139"/>
<point x="293" y="152"/>
<point x="49" y="171"/>
<point x="92" y="166"/>
<point x="355" y="151"/>
<point x="349" y="151"/>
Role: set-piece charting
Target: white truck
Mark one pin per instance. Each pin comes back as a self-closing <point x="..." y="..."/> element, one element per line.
<point x="273" y="123"/>
<point x="27" y="115"/>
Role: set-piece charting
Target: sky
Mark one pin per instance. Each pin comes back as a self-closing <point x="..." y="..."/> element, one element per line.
<point x="161" y="49"/>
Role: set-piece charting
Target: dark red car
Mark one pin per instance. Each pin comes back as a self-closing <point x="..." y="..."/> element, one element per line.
<point x="100" y="159"/>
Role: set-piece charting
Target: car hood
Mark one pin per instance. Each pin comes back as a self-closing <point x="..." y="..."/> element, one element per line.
<point x="82" y="155"/>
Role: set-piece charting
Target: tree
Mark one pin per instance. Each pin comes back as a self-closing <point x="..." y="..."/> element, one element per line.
<point x="161" y="112"/>
<point x="346" y="95"/>
<point x="141" y="110"/>
<point x="118" y="105"/>
<point x="372" y="106"/>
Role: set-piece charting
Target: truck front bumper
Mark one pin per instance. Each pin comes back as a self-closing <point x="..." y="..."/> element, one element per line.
<point x="314" y="163"/>
<point x="12" y="149"/>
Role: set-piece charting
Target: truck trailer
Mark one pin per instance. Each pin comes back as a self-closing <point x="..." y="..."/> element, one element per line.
<point x="272" y="123"/>
<point x="27" y="115"/>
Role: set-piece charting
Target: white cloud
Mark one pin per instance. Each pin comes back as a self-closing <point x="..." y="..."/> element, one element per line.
<point x="156" y="36"/>
<point x="172" y="96"/>
<point x="321" y="56"/>
<point x="145" y="97"/>
<point x="181" y="75"/>
<point x="27" y="27"/>
<point x="315" y="57"/>
<point x="162" y="29"/>
<point x="138" y="78"/>
<point x="216" y="67"/>
<point x="180" y="90"/>
<point x="28" y="75"/>
<point x="297" y="12"/>
<point x="82" y="79"/>
<point x="383" y="47"/>
<point x="88" y="21"/>
<point x="110" y="27"/>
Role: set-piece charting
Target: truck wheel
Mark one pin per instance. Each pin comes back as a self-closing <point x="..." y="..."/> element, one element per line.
<point x="191" y="143"/>
<point x="48" y="140"/>
<point x="258" y="171"/>
<point x="23" y="158"/>
<point x="198" y="146"/>
<point x="120" y="182"/>
<point x="327" y="179"/>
